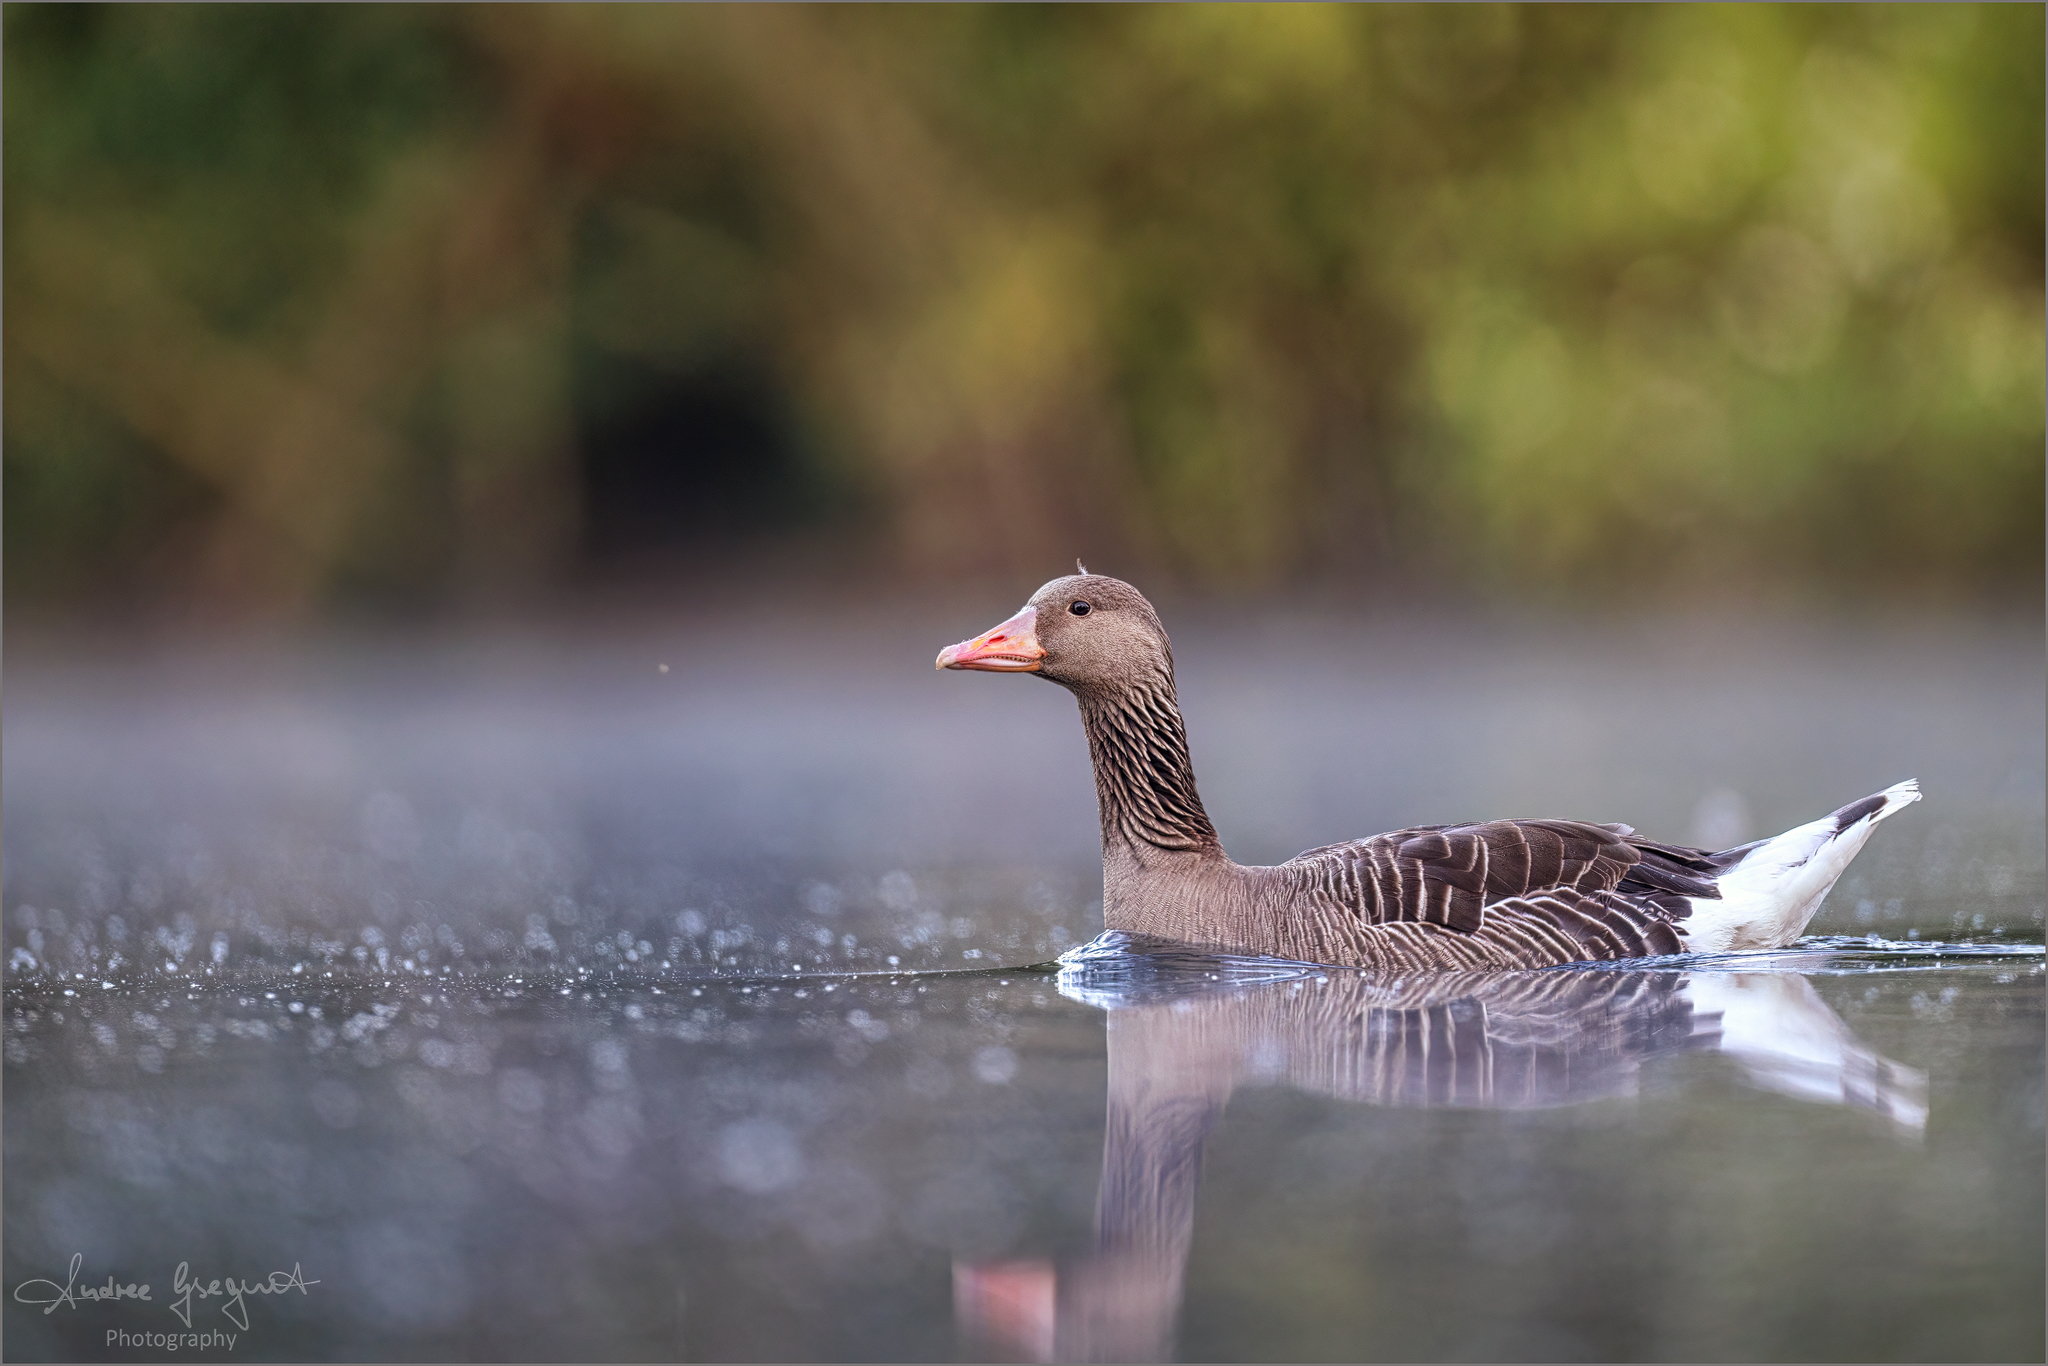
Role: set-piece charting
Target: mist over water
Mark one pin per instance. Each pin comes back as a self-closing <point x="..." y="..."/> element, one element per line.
<point x="809" y="793"/>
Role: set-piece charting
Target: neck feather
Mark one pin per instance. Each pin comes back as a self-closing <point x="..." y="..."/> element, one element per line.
<point x="1144" y="782"/>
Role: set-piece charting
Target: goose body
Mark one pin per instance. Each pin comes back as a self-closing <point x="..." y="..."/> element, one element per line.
<point x="1497" y="894"/>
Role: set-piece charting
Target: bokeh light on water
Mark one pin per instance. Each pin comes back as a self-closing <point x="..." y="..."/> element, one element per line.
<point x="844" y="1167"/>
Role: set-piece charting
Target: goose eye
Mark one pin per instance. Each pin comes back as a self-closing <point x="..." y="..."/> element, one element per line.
<point x="1079" y="609"/>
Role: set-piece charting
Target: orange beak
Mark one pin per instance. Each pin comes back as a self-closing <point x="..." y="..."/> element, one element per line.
<point x="1009" y="648"/>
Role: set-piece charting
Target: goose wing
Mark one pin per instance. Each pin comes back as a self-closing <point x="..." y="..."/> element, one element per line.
<point x="1450" y="875"/>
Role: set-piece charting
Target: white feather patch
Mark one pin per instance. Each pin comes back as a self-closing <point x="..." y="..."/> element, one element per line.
<point x="1769" y="898"/>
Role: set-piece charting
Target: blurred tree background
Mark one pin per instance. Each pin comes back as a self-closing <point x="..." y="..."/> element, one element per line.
<point x="324" y="306"/>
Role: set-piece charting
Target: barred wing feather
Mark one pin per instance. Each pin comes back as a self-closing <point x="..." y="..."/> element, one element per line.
<point x="1450" y="874"/>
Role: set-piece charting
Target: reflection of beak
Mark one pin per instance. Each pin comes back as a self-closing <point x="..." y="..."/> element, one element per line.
<point x="1008" y="1309"/>
<point x="1009" y="648"/>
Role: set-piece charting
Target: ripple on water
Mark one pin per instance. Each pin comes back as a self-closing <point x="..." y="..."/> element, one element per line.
<point x="1126" y="966"/>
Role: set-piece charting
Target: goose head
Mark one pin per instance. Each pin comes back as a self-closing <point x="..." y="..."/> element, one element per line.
<point x="1087" y="632"/>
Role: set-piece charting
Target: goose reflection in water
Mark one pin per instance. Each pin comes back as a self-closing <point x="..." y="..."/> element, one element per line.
<point x="1186" y="1029"/>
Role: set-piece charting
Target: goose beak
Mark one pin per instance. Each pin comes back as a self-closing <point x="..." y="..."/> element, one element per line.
<point x="1009" y="648"/>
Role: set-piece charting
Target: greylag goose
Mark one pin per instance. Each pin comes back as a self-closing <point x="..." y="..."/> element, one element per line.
<point x="1498" y="894"/>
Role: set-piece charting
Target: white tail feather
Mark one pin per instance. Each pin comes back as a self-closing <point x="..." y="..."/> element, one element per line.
<point x="1768" y="899"/>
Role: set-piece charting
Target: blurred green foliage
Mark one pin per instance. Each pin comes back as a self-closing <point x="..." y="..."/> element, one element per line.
<point x="312" y="302"/>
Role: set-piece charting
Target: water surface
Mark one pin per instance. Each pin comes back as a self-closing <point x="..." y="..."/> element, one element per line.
<point x="534" y="1003"/>
<point x="1127" y="1159"/>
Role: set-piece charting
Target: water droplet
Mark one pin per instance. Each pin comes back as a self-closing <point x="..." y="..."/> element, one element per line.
<point x="758" y="1156"/>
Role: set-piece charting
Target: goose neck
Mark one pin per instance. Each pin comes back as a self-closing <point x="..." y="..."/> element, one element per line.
<point x="1144" y="781"/>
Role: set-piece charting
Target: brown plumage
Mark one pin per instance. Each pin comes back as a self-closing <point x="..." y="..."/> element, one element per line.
<point x="1509" y="893"/>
